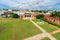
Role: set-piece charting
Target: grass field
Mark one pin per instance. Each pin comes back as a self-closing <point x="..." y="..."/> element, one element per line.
<point x="57" y="36"/>
<point x="46" y="38"/>
<point x="16" y="29"/>
<point x="48" y="27"/>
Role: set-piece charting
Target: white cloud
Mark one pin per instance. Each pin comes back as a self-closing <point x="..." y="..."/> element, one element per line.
<point x="30" y="3"/>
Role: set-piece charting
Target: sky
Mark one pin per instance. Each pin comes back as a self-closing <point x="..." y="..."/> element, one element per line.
<point x="31" y="4"/>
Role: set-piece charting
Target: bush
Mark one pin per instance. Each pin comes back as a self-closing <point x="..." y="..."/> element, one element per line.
<point x="44" y="19"/>
<point x="15" y="16"/>
<point x="39" y="16"/>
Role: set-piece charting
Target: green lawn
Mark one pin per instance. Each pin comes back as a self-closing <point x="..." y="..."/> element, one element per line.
<point x="57" y="36"/>
<point x="46" y="38"/>
<point x="48" y="27"/>
<point x="16" y="29"/>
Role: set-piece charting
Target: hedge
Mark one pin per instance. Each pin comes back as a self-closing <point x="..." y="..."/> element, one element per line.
<point x="44" y="19"/>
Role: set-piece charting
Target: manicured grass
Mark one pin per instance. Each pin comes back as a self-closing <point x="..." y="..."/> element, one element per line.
<point x="57" y="36"/>
<point x="48" y="27"/>
<point x="46" y="38"/>
<point x="17" y="29"/>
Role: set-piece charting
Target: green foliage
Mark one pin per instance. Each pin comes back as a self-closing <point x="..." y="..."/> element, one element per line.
<point x="55" y="14"/>
<point x="45" y="11"/>
<point x="8" y="14"/>
<point x="50" y="22"/>
<point x="15" y="16"/>
<point x="39" y="16"/>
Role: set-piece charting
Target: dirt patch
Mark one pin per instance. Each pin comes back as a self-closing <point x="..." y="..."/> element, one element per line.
<point x="2" y="28"/>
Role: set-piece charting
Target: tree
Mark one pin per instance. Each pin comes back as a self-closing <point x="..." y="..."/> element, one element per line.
<point x="7" y="14"/>
<point x="39" y="16"/>
<point x="55" y="14"/>
<point x="44" y="11"/>
<point x="15" y="16"/>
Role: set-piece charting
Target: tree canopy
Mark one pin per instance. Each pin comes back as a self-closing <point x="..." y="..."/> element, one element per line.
<point x="56" y="14"/>
<point x="39" y="16"/>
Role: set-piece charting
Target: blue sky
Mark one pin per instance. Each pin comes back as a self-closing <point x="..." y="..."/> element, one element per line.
<point x="31" y="4"/>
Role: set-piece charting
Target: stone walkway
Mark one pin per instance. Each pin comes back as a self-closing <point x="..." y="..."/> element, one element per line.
<point x="40" y="36"/>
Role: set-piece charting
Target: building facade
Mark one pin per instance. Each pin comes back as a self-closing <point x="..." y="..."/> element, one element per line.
<point x="28" y="14"/>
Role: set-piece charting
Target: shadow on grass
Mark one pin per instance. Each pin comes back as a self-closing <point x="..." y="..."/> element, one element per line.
<point x="1" y="28"/>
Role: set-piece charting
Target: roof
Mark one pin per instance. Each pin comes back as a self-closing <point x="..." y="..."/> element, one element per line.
<point x="47" y="13"/>
<point x="57" y="19"/>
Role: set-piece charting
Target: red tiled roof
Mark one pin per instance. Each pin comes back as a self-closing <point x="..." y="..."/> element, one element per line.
<point x="49" y="16"/>
<point x="57" y="19"/>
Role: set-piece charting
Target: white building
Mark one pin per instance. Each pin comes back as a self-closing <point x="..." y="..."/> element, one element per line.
<point x="1" y="11"/>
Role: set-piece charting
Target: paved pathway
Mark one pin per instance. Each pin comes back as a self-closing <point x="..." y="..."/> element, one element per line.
<point x="55" y="31"/>
<point x="40" y="36"/>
